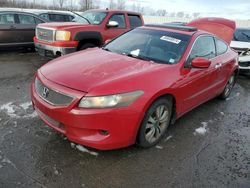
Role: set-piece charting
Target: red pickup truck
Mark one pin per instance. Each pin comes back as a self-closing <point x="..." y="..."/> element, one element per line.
<point x="90" y="29"/>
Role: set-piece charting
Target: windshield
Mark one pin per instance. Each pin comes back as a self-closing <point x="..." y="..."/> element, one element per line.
<point x="242" y="35"/>
<point x="94" y="18"/>
<point x="152" y="45"/>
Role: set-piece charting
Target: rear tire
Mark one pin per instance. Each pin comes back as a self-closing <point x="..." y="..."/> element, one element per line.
<point x="86" y="46"/>
<point x="228" y="88"/>
<point x="155" y="123"/>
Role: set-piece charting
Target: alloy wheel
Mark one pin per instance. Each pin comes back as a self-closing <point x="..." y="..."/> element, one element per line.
<point x="157" y="123"/>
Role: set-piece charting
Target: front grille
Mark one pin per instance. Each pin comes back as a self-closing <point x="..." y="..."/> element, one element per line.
<point x="51" y="96"/>
<point x="244" y="64"/>
<point x="45" y="34"/>
<point x="242" y="51"/>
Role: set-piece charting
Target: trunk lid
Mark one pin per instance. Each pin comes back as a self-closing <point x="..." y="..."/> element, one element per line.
<point x="223" y="28"/>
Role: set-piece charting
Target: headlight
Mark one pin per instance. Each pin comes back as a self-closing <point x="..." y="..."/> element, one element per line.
<point x="63" y="35"/>
<point x="109" y="101"/>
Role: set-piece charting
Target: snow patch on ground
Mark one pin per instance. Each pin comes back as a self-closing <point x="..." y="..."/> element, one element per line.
<point x="6" y="161"/>
<point x="222" y="113"/>
<point x="159" y="147"/>
<point x="18" y="111"/>
<point x="229" y="98"/>
<point x="56" y="171"/>
<point x="83" y="149"/>
<point x="8" y="108"/>
<point x="26" y="105"/>
<point x="168" y="138"/>
<point x="202" y="130"/>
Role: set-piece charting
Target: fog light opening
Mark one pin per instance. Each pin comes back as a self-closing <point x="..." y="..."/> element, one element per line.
<point x="104" y="132"/>
<point x="58" y="53"/>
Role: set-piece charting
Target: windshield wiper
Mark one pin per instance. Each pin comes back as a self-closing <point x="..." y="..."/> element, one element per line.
<point x="138" y="57"/>
<point x="106" y="49"/>
<point x="81" y="16"/>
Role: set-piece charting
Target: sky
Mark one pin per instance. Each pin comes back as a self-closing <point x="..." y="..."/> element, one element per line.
<point x="232" y="9"/>
<point x="236" y="9"/>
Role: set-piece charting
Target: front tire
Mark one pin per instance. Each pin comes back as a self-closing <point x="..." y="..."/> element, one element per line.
<point x="229" y="87"/>
<point x="155" y="122"/>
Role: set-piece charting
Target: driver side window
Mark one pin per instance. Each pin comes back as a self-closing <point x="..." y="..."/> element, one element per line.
<point x="120" y="19"/>
<point x="204" y="46"/>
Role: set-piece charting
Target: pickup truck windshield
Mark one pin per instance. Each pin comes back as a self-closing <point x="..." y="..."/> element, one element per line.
<point x="242" y="35"/>
<point x="94" y="18"/>
<point x="151" y="45"/>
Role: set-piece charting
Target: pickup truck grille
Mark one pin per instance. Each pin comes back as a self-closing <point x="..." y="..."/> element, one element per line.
<point x="51" y="96"/>
<point x="45" y="34"/>
<point x="244" y="64"/>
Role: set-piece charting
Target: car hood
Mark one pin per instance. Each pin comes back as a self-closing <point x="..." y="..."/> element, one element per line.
<point x="85" y="70"/>
<point x="63" y="25"/>
<point x="223" y="28"/>
<point x="240" y="44"/>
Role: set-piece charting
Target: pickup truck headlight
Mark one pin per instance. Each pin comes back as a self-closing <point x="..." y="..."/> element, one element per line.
<point x="110" y="101"/>
<point x="63" y="35"/>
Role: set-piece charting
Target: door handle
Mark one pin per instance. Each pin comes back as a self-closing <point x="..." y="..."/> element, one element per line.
<point x="218" y="65"/>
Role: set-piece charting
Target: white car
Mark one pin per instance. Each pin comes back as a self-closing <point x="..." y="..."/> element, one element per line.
<point x="241" y="43"/>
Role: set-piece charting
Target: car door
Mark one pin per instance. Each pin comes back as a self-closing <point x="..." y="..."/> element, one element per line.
<point x="112" y="32"/>
<point x="26" y="26"/>
<point x="8" y="31"/>
<point x="225" y="62"/>
<point x="198" y="84"/>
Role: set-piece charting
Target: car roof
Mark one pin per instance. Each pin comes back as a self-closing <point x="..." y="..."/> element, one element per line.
<point x="52" y="12"/>
<point x="114" y="11"/>
<point x="23" y="12"/>
<point x="173" y="28"/>
<point x="243" y="28"/>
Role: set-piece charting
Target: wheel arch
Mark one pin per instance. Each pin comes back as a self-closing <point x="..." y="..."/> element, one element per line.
<point x="161" y="94"/>
<point x="89" y="37"/>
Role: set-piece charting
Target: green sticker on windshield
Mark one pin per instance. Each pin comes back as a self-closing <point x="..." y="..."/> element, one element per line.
<point x="171" y="39"/>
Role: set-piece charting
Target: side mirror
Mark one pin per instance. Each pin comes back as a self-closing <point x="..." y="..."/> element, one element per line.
<point x="112" y="24"/>
<point x="200" y="62"/>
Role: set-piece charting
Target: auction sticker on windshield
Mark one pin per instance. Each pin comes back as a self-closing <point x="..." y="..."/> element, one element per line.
<point x="171" y="39"/>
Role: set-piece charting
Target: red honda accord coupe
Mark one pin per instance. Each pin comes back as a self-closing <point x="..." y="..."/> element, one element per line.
<point x="130" y="90"/>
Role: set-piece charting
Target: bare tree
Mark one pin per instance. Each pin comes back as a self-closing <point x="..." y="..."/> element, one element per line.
<point x="196" y="14"/>
<point x="161" y="12"/>
<point x="61" y="3"/>
<point x="86" y="4"/>
<point x="3" y="3"/>
<point x="121" y="4"/>
<point x="180" y="14"/>
<point x="112" y="4"/>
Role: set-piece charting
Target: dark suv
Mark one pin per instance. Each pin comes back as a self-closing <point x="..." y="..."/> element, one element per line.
<point x="18" y="28"/>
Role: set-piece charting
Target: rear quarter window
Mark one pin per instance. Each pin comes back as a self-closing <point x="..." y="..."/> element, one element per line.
<point x="57" y="18"/>
<point x="221" y="47"/>
<point x="45" y="15"/>
<point x="135" y="21"/>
